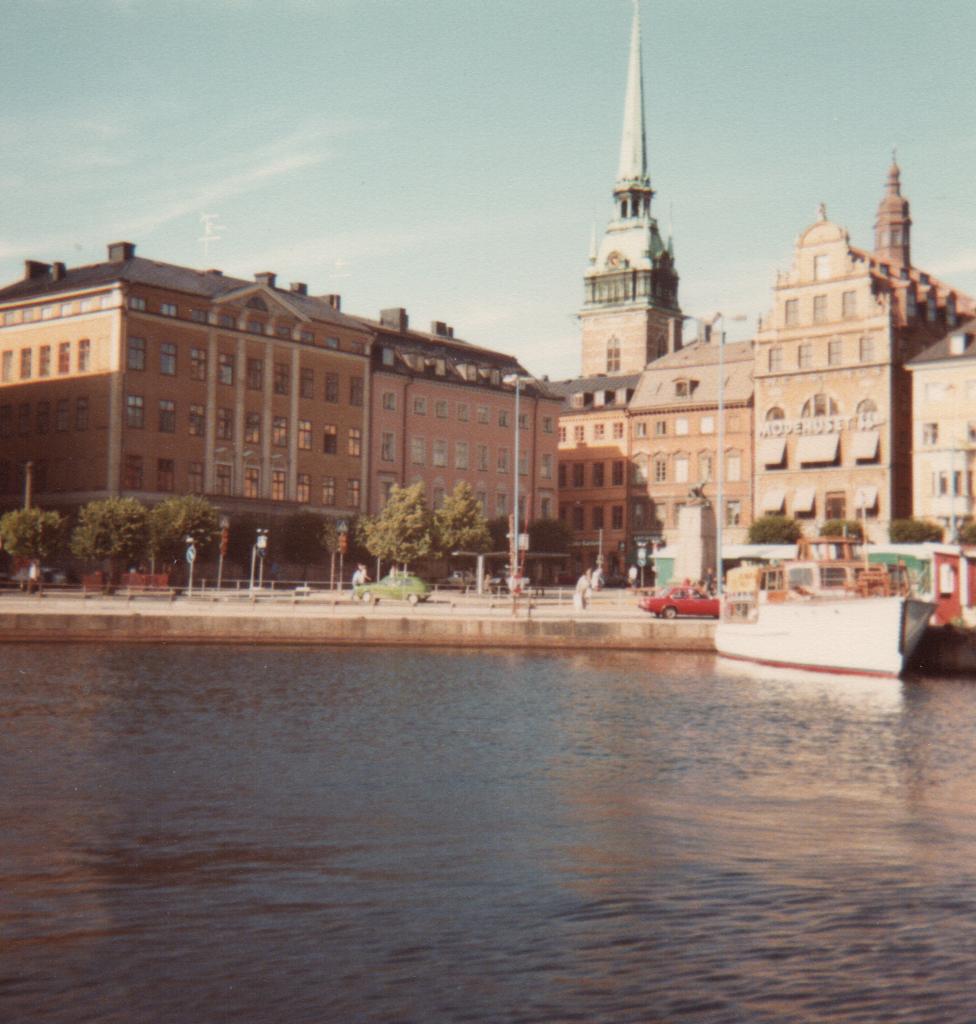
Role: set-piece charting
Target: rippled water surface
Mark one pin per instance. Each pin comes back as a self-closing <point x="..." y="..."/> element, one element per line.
<point x="304" y="835"/>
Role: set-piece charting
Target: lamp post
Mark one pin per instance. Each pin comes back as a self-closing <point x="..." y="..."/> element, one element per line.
<point x="514" y="546"/>
<point x="259" y="548"/>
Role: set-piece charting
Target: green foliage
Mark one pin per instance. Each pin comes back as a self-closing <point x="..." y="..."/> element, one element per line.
<point x="301" y="538"/>
<point x="177" y="518"/>
<point x="459" y="524"/>
<point x="843" y="528"/>
<point x="967" y="534"/>
<point x="403" y="531"/>
<point x="32" y="533"/>
<point x="112" y="528"/>
<point x="913" y="531"/>
<point x="774" y="530"/>
<point x="550" y="536"/>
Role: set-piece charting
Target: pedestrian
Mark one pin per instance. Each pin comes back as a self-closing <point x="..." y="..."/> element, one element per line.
<point x="33" y="576"/>
<point x="584" y="587"/>
<point x="632" y="577"/>
<point x="710" y="580"/>
<point x="360" y="576"/>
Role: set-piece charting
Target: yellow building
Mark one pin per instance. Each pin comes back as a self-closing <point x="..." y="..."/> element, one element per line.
<point x="944" y="431"/>
<point x="833" y="409"/>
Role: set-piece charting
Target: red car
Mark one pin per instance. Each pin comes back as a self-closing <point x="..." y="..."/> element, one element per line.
<point x="681" y="601"/>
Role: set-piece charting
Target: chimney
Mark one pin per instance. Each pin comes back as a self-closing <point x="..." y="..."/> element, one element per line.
<point x="34" y="269"/>
<point x="266" y="278"/>
<point x="335" y="301"/>
<point x="118" y="252"/>
<point x="213" y="272"/>
<point x="298" y="287"/>
<point x="58" y="271"/>
<point x="439" y="328"/>
<point x="395" y="318"/>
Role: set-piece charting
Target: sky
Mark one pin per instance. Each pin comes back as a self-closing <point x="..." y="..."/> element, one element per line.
<point x="454" y="156"/>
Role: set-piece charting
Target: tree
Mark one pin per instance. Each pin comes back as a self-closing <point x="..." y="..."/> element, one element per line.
<point x="177" y="518"/>
<point x="550" y="536"/>
<point x="459" y="524"/>
<point x="403" y="531"/>
<point x="967" y="533"/>
<point x="774" y="530"/>
<point x="32" y="533"/>
<point x="843" y="528"/>
<point x="913" y="531"/>
<point x="112" y="528"/>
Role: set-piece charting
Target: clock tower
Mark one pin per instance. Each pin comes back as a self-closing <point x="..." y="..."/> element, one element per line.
<point x="630" y="312"/>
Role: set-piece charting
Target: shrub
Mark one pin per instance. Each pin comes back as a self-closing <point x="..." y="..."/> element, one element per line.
<point x="913" y="531"/>
<point x="774" y="530"/>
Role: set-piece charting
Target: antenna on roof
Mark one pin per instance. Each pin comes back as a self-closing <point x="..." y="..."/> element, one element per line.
<point x="210" y="229"/>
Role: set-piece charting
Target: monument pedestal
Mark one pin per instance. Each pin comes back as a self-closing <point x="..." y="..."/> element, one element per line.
<point x="696" y="543"/>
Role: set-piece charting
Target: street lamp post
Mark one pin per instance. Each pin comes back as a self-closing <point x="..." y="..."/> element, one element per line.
<point x="514" y="572"/>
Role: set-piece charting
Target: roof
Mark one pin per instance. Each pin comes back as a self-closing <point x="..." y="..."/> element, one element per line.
<point x="697" y="362"/>
<point x="440" y="344"/>
<point x="208" y="284"/>
<point x="565" y="389"/>
<point x="942" y="349"/>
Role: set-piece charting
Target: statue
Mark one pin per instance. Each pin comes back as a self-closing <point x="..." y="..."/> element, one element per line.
<point x="697" y="496"/>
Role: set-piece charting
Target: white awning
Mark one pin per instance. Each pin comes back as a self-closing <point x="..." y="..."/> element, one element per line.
<point x="817" y="448"/>
<point x="771" y="450"/>
<point x="866" y="498"/>
<point x="803" y="499"/>
<point x="865" y="444"/>
<point x="773" y="500"/>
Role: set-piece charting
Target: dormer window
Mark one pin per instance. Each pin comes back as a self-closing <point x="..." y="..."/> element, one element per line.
<point x="931" y="308"/>
<point x="577" y="400"/>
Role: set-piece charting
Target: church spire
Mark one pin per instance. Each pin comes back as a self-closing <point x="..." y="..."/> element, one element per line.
<point x="633" y="142"/>
<point x="892" y="228"/>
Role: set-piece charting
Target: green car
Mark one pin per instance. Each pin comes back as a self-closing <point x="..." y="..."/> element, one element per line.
<point x="402" y="587"/>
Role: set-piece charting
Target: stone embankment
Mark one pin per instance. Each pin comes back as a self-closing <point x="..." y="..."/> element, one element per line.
<point x="612" y="624"/>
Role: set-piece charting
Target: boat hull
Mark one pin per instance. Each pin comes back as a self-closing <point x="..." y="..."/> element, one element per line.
<point x="870" y="636"/>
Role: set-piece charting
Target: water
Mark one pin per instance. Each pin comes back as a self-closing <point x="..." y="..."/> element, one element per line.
<point x="304" y="835"/>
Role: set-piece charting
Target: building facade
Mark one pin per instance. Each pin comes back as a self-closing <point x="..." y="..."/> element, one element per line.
<point x="443" y="412"/>
<point x="833" y="405"/>
<point x="944" y="430"/>
<point x="134" y="377"/>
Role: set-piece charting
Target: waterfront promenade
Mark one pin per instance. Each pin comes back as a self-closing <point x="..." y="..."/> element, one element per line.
<point x="449" y="619"/>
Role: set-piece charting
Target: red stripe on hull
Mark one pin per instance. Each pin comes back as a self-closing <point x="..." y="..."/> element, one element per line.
<point x="836" y="670"/>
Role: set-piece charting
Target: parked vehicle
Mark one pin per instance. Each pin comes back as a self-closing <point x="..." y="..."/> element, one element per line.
<point x="401" y="587"/>
<point x="459" y="579"/>
<point x="681" y="601"/>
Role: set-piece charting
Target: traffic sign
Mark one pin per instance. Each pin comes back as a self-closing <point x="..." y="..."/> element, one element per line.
<point x="191" y="554"/>
<point x="642" y="556"/>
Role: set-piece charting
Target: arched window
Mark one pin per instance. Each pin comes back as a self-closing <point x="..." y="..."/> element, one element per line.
<point x="775" y="413"/>
<point x="866" y="406"/>
<point x="613" y="356"/>
<point x="819" y="405"/>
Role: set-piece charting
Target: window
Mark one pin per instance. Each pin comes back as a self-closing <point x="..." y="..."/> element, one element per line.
<point x="226" y="320"/>
<point x="281" y="379"/>
<point x="613" y="356"/>
<point x="356" y="390"/>
<point x="792" y="312"/>
<point x="733" y="467"/>
<point x="681" y="469"/>
<point x="332" y="387"/>
<point x="255" y="326"/>
<point x="818" y="405"/>
<point x="225" y="424"/>
<point x="820" y="268"/>
<point x="660" y="470"/>
<point x="462" y="411"/>
<point x="223" y="478"/>
<point x="137" y="303"/>
<point x="733" y="513"/>
<point x="617" y="473"/>
<point x="681" y="426"/>
<point x="61" y="415"/>
<point x="305" y="435"/>
<point x="483" y="458"/>
<point x="329" y="439"/>
<point x="81" y="412"/>
<point x="44" y="361"/>
<point x="8" y="366"/>
<point x="707" y="425"/>
<point x="255" y="374"/>
<point x="167" y="308"/>
<point x="503" y="417"/>
<point x="252" y="482"/>
<point x="25" y="363"/>
<point x="598" y="431"/>
<point x="419" y="405"/>
<point x="867" y="349"/>
<point x="252" y="428"/>
<point x="819" y="309"/>
<point x="834" y="351"/>
<point x="306" y="382"/>
<point x="132" y="472"/>
<point x="483" y="414"/>
<point x="618" y="431"/>
<point x="279" y="431"/>
<point x="84" y="355"/>
<point x="562" y="435"/>
<point x="64" y="357"/>
<point x="418" y="451"/>
<point x="198" y="316"/>
<point x="438" y="455"/>
<point x="849" y="305"/>
<point x="930" y="433"/>
<point x="43" y="417"/>
<point x="303" y="488"/>
<point x="167" y="416"/>
<point x="640" y="429"/>
<point x="523" y="463"/>
<point x="328" y="491"/>
<point x="545" y="467"/>
<point x="197" y="421"/>
<point x="135" y="413"/>
<point x="167" y="359"/>
<point x="24" y="419"/>
<point x="225" y="368"/>
<point x="660" y="428"/>
<point x="804" y="355"/>
<point x="388" y="446"/>
<point x="354" y="442"/>
<point x="835" y="505"/>
<point x="194" y="477"/>
<point x="136" y="355"/>
<point x="562" y="474"/>
<point x="502" y="462"/>
<point x="704" y="466"/>
<point x="597" y="517"/>
<point x="579" y="433"/>
<point x="911" y="303"/>
<point x="278" y="481"/>
<point x="598" y="474"/>
<point x="775" y="359"/>
<point x="198" y="364"/>
<point x="165" y="475"/>
<point x="460" y="454"/>
<point x="353" y="491"/>
<point x="388" y="356"/>
<point x="5" y="420"/>
<point x="441" y="409"/>
<point x="389" y="401"/>
<point x="931" y="310"/>
<point x="577" y="517"/>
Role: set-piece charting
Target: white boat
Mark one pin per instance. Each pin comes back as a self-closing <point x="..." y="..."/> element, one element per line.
<point x="827" y="611"/>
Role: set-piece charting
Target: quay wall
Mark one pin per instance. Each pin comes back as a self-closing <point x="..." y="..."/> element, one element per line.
<point x="365" y="630"/>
